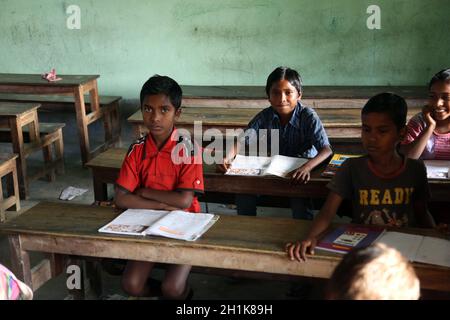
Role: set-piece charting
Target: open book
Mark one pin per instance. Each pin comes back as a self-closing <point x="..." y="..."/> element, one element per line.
<point x="347" y="237"/>
<point x="419" y="248"/>
<point x="336" y="162"/>
<point x="277" y="165"/>
<point x="437" y="169"/>
<point x="171" y="224"/>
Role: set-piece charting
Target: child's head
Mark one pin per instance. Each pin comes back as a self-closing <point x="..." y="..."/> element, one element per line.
<point x="284" y="89"/>
<point x="160" y="105"/>
<point x="383" y="120"/>
<point x="439" y="95"/>
<point x="376" y="272"/>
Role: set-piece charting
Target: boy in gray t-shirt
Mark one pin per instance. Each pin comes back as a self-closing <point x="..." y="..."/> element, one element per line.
<point x="385" y="187"/>
<point x="381" y="200"/>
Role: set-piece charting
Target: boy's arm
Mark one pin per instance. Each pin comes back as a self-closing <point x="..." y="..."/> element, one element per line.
<point x="228" y="157"/>
<point x="415" y="148"/>
<point x="423" y="217"/>
<point x="321" y="222"/>
<point x="302" y="174"/>
<point x="126" y="200"/>
<point x="179" y="199"/>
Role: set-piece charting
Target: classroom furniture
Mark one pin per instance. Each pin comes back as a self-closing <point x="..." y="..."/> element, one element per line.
<point x="323" y="97"/>
<point x="106" y="166"/>
<point x="19" y="124"/>
<point x="253" y="244"/>
<point x="8" y="171"/>
<point x="109" y="105"/>
<point x="71" y="85"/>
<point x="338" y="123"/>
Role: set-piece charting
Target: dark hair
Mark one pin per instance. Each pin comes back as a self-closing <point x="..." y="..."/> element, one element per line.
<point x="162" y="84"/>
<point x="389" y="103"/>
<point x="284" y="73"/>
<point x="443" y="75"/>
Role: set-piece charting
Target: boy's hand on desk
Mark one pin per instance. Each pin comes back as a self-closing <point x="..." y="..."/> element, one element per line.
<point x="170" y="208"/>
<point x="301" y="175"/>
<point x="297" y="251"/>
<point x="223" y="167"/>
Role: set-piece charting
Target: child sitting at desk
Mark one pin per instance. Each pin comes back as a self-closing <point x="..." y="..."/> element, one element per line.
<point x="301" y="134"/>
<point x="152" y="177"/>
<point x="428" y="135"/>
<point x="385" y="187"/>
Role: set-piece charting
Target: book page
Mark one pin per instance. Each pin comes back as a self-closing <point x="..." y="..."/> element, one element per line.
<point x="248" y="165"/>
<point x="437" y="169"/>
<point x="282" y="166"/>
<point x="133" y="221"/>
<point x="181" y="225"/>
<point x="407" y="244"/>
<point x="434" y="251"/>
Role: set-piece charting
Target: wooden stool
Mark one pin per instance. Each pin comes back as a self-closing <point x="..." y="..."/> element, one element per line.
<point x="8" y="170"/>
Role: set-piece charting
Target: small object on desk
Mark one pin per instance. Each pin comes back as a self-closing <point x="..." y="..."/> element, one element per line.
<point x="335" y="163"/>
<point x="71" y="192"/>
<point x="51" y="76"/>
<point x="347" y="237"/>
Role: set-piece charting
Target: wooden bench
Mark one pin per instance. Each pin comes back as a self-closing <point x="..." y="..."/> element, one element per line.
<point x="110" y="105"/>
<point x="19" y="125"/>
<point x="8" y="171"/>
<point x="323" y="97"/>
<point x="253" y="244"/>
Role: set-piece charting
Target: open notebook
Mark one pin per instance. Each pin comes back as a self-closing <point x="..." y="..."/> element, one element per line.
<point x="437" y="169"/>
<point x="277" y="165"/>
<point x="180" y="225"/>
<point x="419" y="248"/>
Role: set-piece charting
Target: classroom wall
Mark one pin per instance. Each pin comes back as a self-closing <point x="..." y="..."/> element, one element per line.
<point x="226" y="42"/>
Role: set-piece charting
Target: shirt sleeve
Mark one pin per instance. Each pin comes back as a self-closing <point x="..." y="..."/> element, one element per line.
<point x="128" y="176"/>
<point x="341" y="183"/>
<point x="191" y="174"/>
<point x="317" y="134"/>
<point x="413" y="129"/>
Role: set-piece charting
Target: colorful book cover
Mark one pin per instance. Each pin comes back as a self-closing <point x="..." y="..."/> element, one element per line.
<point x="336" y="161"/>
<point x="347" y="237"/>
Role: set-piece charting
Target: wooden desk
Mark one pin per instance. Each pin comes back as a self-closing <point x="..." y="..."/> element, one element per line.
<point x="15" y="117"/>
<point x="106" y="166"/>
<point x="338" y="123"/>
<point x="8" y="170"/>
<point x="75" y="85"/>
<point x="235" y="242"/>
<point x="314" y="96"/>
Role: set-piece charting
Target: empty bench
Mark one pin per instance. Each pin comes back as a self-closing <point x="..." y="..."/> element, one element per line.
<point x="20" y="126"/>
<point x="109" y="106"/>
<point x="8" y="171"/>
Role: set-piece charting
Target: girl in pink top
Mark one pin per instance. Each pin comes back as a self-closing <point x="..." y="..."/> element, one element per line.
<point x="428" y="135"/>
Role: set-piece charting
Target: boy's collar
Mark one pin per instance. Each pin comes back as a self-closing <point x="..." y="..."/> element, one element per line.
<point x="167" y="147"/>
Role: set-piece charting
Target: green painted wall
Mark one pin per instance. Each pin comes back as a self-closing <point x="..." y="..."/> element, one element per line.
<point x="224" y="42"/>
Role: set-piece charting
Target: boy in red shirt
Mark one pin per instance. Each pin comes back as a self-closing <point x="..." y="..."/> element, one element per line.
<point x="153" y="177"/>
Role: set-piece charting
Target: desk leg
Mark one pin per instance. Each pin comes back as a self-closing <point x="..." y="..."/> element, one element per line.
<point x="100" y="189"/>
<point x="82" y="123"/>
<point x="18" y="148"/>
<point x="20" y="260"/>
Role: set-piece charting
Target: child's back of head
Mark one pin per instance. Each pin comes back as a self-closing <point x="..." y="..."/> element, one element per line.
<point x="389" y="103"/>
<point x="162" y="85"/>
<point x="376" y="272"/>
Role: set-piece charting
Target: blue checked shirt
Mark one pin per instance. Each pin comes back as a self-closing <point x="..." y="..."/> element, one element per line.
<point x="303" y="136"/>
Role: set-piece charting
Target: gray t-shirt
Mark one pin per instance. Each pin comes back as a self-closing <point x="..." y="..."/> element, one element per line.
<point x="381" y="201"/>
